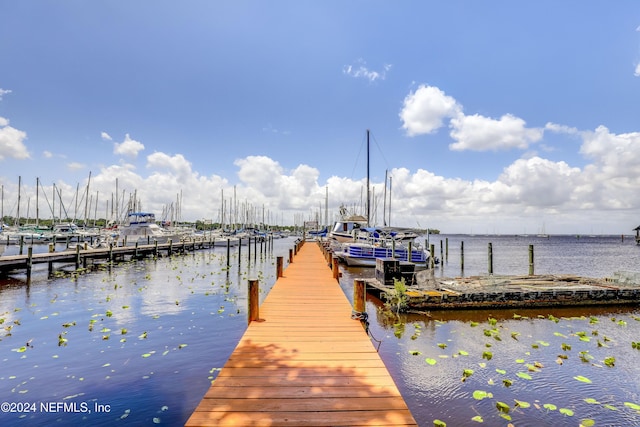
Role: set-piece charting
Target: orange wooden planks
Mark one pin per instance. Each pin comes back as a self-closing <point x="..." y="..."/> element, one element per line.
<point x="305" y="363"/>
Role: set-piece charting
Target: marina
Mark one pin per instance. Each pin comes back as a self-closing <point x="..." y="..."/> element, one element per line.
<point x="150" y="337"/>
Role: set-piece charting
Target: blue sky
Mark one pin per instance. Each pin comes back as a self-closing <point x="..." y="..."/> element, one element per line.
<point x="490" y="116"/>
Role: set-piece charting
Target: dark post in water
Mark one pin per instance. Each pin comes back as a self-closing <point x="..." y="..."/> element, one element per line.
<point x="530" y="260"/>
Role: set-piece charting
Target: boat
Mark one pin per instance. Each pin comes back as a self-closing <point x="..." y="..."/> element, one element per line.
<point x="371" y="244"/>
<point x="355" y="243"/>
<point x="141" y="227"/>
<point x="346" y="228"/>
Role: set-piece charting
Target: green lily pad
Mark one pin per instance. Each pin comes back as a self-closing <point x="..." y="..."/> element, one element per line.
<point x="582" y="379"/>
<point x="481" y="394"/>
<point x="633" y="406"/>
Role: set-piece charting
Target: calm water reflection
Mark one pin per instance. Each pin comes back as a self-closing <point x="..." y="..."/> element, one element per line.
<point x="141" y="342"/>
<point x="146" y="339"/>
<point x="538" y="353"/>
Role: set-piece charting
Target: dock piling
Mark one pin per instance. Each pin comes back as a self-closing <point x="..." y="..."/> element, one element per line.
<point x="531" y="260"/>
<point x="490" y="254"/>
<point x="359" y="297"/>
<point x="335" y="268"/>
<point x="279" y="261"/>
<point x="254" y="300"/>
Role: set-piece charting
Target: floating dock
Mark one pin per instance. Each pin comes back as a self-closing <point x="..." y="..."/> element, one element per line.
<point x="304" y="362"/>
<point x="477" y="292"/>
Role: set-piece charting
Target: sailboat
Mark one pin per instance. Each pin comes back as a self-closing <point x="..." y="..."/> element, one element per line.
<point x="356" y="243"/>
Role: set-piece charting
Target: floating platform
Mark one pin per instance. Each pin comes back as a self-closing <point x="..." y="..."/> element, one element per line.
<point x="490" y="291"/>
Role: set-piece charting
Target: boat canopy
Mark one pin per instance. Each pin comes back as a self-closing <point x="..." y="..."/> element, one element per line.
<point x="141" y="217"/>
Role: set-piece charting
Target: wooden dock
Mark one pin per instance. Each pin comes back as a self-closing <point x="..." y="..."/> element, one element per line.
<point x="83" y="254"/>
<point x="305" y="362"/>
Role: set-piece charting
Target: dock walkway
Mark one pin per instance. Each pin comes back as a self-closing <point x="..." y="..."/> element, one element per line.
<point x="305" y="362"/>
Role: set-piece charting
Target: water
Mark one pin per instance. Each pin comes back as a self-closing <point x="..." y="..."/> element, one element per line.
<point x="183" y="316"/>
<point x="137" y="344"/>
<point x="525" y="348"/>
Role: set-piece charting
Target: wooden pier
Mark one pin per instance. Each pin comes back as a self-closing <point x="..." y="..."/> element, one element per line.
<point x="304" y="362"/>
<point x="82" y="255"/>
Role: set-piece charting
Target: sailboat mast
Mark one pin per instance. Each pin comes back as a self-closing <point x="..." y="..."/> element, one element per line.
<point x="384" y="203"/>
<point x="390" y="179"/>
<point x="368" y="192"/>
<point x="37" y="202"/>
<point x="17" y="221"/>
<point x="86" y="202"/>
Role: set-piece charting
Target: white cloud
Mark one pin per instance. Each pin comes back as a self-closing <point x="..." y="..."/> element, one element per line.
<point x="3" y="92"/>
<point x="12" y="142"/>
<point x="481" y="133"/>
<point x="177" y="165"/>
<point x="105" y="136"/>
<point x="614" y="155"/>
<point x="47" y="154"/>
<point x="360" y="70"/>
<point x="270" y="129"/>
<point x="539" y="182"/>
<point x="75" y="166"/>
<point x="554" y="127"/>
<point x="128" y="147"/>
<point x="637" y="70"/>
<point x="425" y="109"/>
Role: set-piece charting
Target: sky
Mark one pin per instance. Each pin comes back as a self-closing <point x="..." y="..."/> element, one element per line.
<point x="483" y="116"/>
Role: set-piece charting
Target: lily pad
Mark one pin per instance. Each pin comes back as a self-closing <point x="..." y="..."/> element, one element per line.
<point x="524" y="375"/>
<point x="582" y="379"/>
<point x="633" y="406"/>
<point x="481" y="394"/>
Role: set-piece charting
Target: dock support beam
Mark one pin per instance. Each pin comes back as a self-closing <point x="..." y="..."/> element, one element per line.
<point x="29" y="262"/>
<point x="279" y="261"/>
<point x="490" y="254"/>
<point x="254" y="300"/>
<point x="359" y="296"/>
<point x="335" y="268"/>
<point x="530" y="260"/>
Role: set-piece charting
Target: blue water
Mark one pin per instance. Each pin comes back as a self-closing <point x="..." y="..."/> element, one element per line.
<point x="139" y="344"/>
<point x="527" y="342"/>
<point x="591" y="256"/>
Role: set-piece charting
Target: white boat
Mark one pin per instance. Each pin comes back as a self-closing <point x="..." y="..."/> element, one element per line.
<point x="346" y="228"/>
<point x="141" y="228"/>
<point x="370" y="244"/>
